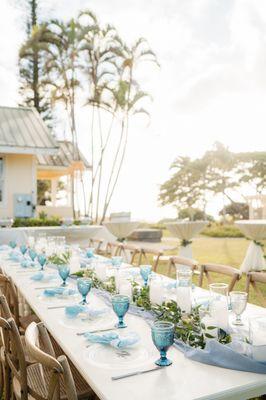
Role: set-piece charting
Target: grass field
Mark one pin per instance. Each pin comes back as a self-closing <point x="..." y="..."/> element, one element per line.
<point x="228" y="251"/>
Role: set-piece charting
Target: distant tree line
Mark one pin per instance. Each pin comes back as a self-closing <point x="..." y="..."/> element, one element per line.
<point x="61" y="62"/>
<point x="218" y="172"/>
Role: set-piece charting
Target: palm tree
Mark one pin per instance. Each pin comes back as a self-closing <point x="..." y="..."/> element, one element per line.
<point x="127" y="96"/>
<point x="62" y="66"/>
<point x="98" y="44"/>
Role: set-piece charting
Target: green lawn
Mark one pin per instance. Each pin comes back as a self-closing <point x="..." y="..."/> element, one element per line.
<point x="228" y="251"/>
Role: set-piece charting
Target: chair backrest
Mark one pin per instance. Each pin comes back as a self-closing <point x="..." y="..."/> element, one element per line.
<point x="207" y="269"/>
<point x="97" y="245"/>
<point x="145" y="257"/>
<point x="252" y="279"/>
<point x="10" y="298"/>
<point x="174" y="261"/>
<point x="14" y="355"/>
<point x="58" y="367"/>
<point x="113" y="249"/>
<point x="129" y="253"/>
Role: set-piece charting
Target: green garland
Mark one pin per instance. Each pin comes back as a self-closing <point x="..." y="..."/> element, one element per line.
<point x="61" y="259"/>
<point x="185" y="242"/>
<point x="188" y="327"/>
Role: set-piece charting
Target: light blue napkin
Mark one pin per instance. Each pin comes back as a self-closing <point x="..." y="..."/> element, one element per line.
<point x="25" y="263"/>
<point x="75" y="310"/>
<point x="113" y="339"/>
<point x="221" y="355"/>
<point x="4" y="247"/>
<point x="60" y="291"/>
<point x="42" y="276"/>
<point x="15" y="255"/>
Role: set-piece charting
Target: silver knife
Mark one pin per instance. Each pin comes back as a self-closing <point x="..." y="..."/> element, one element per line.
<point x="96" y="331"/>
<point x="55" y="307"/>
<point x="144" y="371"/>
<point x="46" y="287"/>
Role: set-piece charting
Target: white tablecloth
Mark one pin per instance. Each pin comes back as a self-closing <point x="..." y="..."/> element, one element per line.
<point x="255" y="230"/>
<point x="185" y="379"/>
<point x="186" y="230"/>
<point x="121" y="229"/>
<point x="74" y="234"/>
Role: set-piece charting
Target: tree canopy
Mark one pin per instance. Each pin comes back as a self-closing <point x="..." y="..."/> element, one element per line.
<point x="218" y="171"/>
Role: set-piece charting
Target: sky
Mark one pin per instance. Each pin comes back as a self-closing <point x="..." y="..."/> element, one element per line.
<point x="211" y="85"/>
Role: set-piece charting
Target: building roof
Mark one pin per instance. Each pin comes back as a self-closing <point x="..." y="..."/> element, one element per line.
<point x="64" y="157"/>
<point x="22" y="131"/>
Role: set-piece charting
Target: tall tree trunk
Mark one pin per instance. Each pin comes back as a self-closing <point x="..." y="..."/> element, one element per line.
<point x="90" y="207"/>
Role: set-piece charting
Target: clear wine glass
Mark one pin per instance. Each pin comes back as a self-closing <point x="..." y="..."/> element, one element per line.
<point x="238" y="302"/>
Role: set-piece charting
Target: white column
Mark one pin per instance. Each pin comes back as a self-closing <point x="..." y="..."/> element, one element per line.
<point x="53" y="191"/>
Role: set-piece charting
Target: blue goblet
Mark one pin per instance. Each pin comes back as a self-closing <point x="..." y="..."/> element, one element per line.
<point x="90" y="252"/>
<point x="42" y="260"/>
<point x="120" y="305"/>
<point x="163" y="337"/>
<point x="12" y="244"/>
<point x="64" y="272"/>
<point x="84" y="287"/>
<point x="32" y="254"/>
<point x="145" y="271"/>
<point x="117" y="261"/>
<point x="23" y="249"/>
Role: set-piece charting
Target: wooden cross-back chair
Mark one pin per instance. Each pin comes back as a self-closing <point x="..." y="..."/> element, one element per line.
<point x="113" y="249"/>
<point x="97" y="244"/>
<point x="49" y="378"/>
<point x="9" y="290"/>
<point x="129" y="253"/>
<point x="207" y="269"/>
<point x="253" y="278"/>
<point x="174" y="261"/>
<point x="150" y="256"/>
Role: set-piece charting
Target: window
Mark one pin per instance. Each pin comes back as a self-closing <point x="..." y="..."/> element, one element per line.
<point x="1" y="179"/>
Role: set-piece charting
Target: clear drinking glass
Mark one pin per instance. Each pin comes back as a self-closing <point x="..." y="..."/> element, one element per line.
<point x="257" y="337"/>
<point x="163" y="337"/>
<point x="120" y="305"/>
<point x="64" y="272"/>
<point x="84" y="286"/>
<point x="238" y="301"/>
<point x="219" y="304"/>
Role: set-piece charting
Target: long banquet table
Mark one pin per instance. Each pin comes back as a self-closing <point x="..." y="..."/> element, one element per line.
<point x="185" y="379"/>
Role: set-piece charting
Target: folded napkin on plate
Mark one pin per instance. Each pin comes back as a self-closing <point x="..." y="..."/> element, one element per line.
<point x="15" y="255"/>
<point x="26" y="263"/>
<point x="42" y="276"/>
<point x="60" y="291"/>
<point x="89" y="312"/>
<point x="113" y="339"/>
<point x="221" y="355"/>
<point x="4" y="247"/>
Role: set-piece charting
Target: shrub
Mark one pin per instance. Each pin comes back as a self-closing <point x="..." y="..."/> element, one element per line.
<point x="221" y="231"/>
<point x="25" y="222"/>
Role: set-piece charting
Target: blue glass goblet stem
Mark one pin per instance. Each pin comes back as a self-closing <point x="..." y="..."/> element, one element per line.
<point x="23" y="249"/>
<point x="163" y="337"/>
<point x="64" y="272"/>
<point x="120" y="305"/>
<point x="145" y="271"/>
<point x="42" y="260"/>
<point x="84" y="287"/>
<point x="32" y="254"/>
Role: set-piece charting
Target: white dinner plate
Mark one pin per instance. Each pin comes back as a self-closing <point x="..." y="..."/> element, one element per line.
<point x="102" y="322"/>
<point x="106" y="356"/>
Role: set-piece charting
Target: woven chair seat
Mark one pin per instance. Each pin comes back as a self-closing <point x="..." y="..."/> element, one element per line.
<point x="37" y="376"/>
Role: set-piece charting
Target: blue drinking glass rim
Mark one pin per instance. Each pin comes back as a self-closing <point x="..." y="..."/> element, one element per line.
<point x="84" y="279"/>
<point x="120" y="298"/>
<point x="148" y="266"/>
<point x="162" y="326"/>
